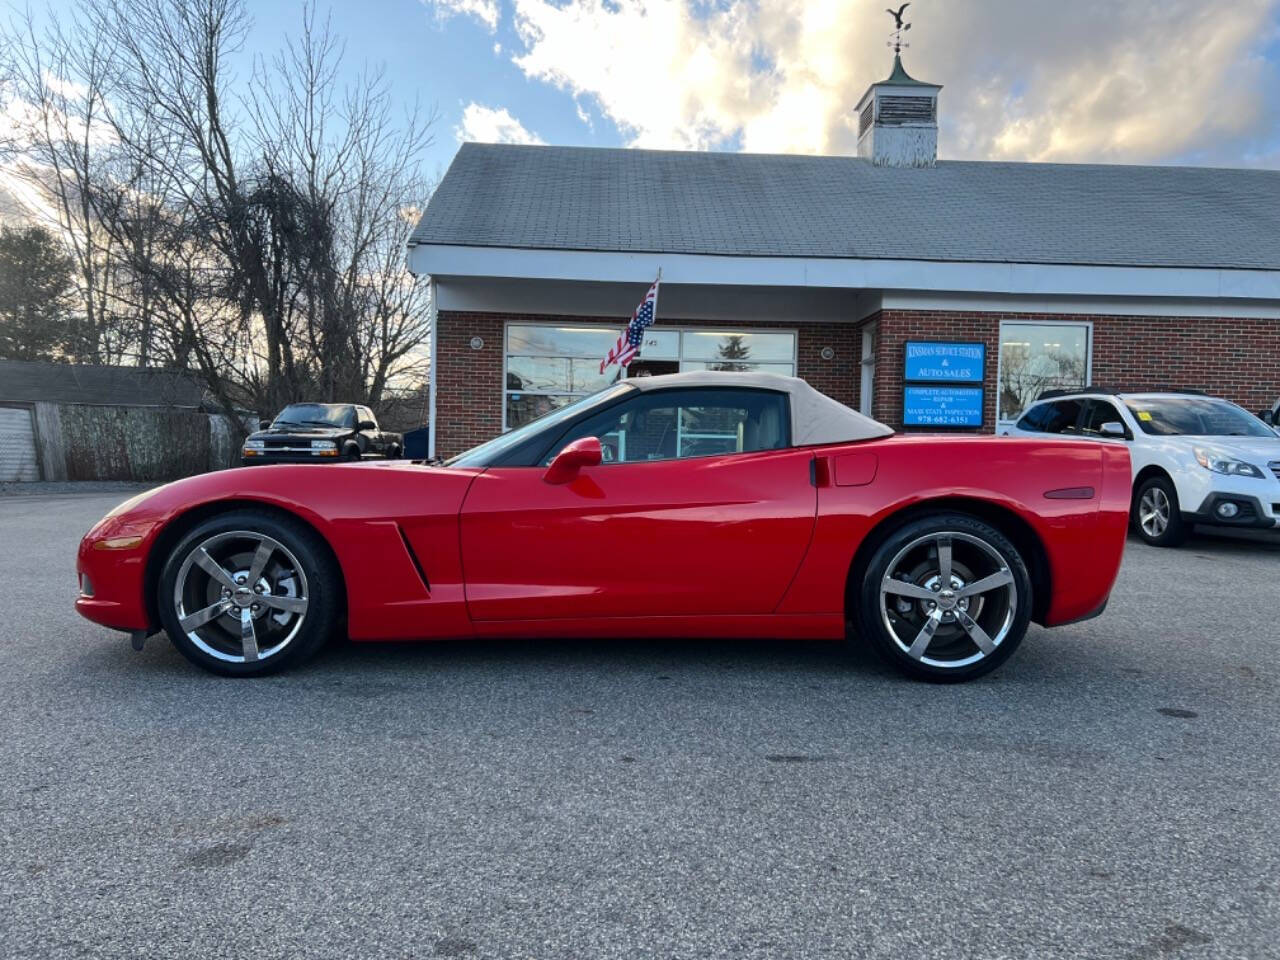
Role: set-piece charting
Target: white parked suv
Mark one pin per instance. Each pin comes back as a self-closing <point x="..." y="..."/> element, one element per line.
<point x="1196" y="459"/>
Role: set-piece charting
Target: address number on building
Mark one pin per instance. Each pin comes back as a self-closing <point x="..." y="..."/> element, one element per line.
<point x="941" y="406"/>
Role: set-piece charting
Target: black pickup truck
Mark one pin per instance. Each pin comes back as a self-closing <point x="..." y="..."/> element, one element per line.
<point x="320" y="432"/>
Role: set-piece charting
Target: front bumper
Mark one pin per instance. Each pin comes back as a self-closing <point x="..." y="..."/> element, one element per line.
<point x="1251" y="512"/>
<point x="270" y="457"/>
<point x="111" y="568"/>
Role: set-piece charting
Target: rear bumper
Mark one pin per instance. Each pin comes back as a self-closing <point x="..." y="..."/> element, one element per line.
<point x="1086" y="549"/>
<point x="1091" y="615"/>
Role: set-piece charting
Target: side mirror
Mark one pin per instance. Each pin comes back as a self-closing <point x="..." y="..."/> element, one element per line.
<point x="1266" y="417"/>
<point x="581" y="453"/>
<point x="1112" y="428"/>
<point x="366" y="425"/>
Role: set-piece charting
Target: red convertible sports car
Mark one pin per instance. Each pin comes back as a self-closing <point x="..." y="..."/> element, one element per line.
<point x="696" y="504"/>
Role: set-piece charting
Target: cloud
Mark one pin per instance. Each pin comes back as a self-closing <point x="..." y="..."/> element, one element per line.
<point x="27" y="182"/>
<point x="1143" y="80"/>
<point x="486" y="11"/>
<point x="492" y="125"/>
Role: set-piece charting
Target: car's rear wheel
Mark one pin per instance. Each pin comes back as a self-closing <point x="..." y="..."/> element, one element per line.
<point x="1157" y="517"/>
<point x="945" y="597"/>
<point x="248" y="592"/>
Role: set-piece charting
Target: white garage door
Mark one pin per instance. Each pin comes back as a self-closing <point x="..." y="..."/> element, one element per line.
<point x="17" y="445"/>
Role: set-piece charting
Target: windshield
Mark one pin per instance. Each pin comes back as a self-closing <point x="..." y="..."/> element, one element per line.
<point x="486" y="453"/>
<point x="1194" y="417"/>
<point x="316" y="415"/>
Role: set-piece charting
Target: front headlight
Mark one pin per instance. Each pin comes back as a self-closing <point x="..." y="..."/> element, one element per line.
<point x="1231" y="467"/>
<point x="127" y="505"/>
<point x="323" y="448"/>
<point x="254" y="446"/>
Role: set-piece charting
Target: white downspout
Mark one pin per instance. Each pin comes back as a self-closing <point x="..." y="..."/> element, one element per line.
<point x="433" y="316"/>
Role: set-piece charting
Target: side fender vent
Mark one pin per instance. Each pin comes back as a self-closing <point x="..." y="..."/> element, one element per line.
<point x="417" y="564"/>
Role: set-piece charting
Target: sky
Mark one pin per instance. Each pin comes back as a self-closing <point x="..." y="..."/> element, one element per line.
<point x="1121" y="81"/>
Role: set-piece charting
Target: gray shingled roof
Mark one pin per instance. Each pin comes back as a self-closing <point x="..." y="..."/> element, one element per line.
<point x="78" y="383"/>
<point x="657" y="201"/>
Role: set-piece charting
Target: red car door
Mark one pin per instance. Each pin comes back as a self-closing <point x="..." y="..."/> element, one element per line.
<point x="709" y="535"/>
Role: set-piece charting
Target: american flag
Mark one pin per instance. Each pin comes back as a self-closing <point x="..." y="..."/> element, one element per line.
<point x="628" y="346"/>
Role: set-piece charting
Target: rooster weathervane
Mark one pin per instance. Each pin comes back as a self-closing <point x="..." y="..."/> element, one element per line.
<point x="899" y="28"/>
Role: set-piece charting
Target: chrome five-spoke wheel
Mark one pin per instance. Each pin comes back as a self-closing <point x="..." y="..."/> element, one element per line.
<point x="241" y="596"/>
<point x="948" y="599"/>
<point x="248" y="591"/>
<point x="945" y="597"/>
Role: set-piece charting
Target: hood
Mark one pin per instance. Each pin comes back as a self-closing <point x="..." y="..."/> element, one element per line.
<point x="378" y="489"/>
<point x="1257" y="450"/>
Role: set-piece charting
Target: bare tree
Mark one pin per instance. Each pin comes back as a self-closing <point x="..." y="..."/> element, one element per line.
<point x="57" y="82"/>
<point x="352" y="164"/>
<point x="249" y="228"/>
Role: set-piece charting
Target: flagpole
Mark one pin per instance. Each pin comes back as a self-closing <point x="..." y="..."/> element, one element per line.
<point x="657" y="289"/>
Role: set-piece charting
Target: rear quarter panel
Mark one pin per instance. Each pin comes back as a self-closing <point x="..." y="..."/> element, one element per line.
<point x="864" y="485"/>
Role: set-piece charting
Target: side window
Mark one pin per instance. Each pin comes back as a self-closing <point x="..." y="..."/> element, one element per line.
<point x="1096" y="414"/>
<point x="1060" y="416"/>
<point x="1036" y="418"/>
<point x="365" y="413"/>
<point x="677" y="424"/>
<point x="1064" y="415"/>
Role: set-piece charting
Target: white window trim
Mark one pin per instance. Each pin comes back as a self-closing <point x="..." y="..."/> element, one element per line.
<point x="867" y="369"/>
<point x="729" y="327"/>
<point x="1029" y="322"/>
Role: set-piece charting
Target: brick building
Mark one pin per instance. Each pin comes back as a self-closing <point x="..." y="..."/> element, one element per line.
<point x="1049" y="275"/>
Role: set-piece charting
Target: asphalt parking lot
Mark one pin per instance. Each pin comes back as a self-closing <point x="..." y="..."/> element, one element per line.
<point x="1113" y="791"/>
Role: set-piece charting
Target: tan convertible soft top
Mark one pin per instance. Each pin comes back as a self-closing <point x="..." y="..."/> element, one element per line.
<point x="815" y="417"/>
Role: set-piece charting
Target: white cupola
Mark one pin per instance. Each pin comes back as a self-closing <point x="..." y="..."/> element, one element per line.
<point x="898" y="121"/>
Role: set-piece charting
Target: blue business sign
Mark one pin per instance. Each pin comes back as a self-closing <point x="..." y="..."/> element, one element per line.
<point x="935" y="406"/>
<point x="945" y="362"/>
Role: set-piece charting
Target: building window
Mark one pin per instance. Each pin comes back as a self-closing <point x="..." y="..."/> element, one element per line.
<point x="725" y="350"/>
<point x="1035" y="357"/>
<point x="548" y="365"/>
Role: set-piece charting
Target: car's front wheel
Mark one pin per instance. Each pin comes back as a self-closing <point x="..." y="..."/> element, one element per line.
<point x="249" y="592"/>
<point x="1156" y="514"/>
<point x="945" y="597"/>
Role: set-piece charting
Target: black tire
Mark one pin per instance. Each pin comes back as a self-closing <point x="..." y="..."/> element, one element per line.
<point x="1157" y="501"/>
<point x="351" y="452"/>
<point x="950" y="653"/>
<point x="279" y="641"/>
<point x="394" y="452"/>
